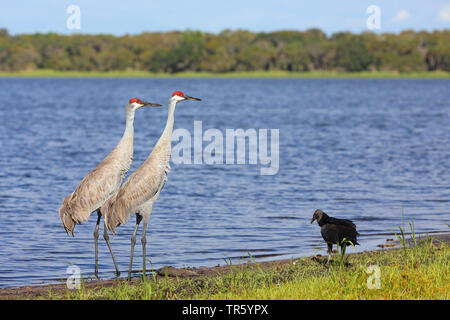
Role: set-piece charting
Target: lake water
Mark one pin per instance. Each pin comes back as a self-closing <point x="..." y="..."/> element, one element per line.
<point x="366" y="150"/>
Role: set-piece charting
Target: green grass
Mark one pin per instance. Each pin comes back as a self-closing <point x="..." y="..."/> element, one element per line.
<point x="413" y="272"/>
<point x="249" y="74"/>
<point x="404" y="274"/>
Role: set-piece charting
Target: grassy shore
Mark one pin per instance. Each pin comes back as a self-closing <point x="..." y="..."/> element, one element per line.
<point x="420" y="271"/>
<point x="249" y="74"/>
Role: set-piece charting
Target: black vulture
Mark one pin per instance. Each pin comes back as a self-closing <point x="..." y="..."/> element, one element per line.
<point x="334" y="230"/>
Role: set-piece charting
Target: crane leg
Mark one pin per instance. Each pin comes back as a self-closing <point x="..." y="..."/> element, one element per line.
<point x="96" y="242"/>
<point x="144" y="242"/>
<point x="133" y="242"/>
<point x="106" y="237"/>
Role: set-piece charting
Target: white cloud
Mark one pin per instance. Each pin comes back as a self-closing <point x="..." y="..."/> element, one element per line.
<point x="402" y="15"/>
<point x="444" y="13"/>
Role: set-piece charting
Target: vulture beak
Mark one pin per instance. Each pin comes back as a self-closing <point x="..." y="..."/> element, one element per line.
<point x="192" y="98"/>
<point x="313" y="219"/>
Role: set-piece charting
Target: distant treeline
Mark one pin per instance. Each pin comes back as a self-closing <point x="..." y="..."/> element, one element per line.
<point x="239" y="50"/>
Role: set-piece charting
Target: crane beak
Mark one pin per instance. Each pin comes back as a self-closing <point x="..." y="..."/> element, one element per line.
<point x="192" y="98"/>
<point x="150" y="104"/>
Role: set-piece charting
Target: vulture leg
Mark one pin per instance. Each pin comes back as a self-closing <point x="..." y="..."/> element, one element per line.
<point x="133" y="242"/>
<point x="330" y="251"/>
<point x="106" y="237"/>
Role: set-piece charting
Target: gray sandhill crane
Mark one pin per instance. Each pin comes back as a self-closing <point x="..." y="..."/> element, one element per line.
<point x="140" y="191"/>
<point x="102" y="183"/>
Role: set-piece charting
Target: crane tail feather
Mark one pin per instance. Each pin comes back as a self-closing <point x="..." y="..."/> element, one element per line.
<point x="115" y="214"/>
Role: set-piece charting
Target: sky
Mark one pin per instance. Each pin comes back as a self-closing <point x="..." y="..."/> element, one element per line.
<point x="136" y="16"/>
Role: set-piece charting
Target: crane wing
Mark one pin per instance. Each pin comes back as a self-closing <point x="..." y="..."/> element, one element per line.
<point x="90" y="194"/>
<point x="142" y="186"/>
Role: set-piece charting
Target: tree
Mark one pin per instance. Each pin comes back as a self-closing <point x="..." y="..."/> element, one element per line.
<point x="229" y="50"/>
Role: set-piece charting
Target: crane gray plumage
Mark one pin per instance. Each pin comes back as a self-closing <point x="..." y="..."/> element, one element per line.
<point x="335" y="230"/>
<point x="102" y="182"/>
<point x="142" y="188"/>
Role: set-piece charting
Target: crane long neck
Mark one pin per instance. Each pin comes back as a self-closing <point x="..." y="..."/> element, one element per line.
<point x="167" y="133"/>
<point x="129" y="124"/>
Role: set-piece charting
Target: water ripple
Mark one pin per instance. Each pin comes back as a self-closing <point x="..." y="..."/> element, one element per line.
<point x="366" y="150"/>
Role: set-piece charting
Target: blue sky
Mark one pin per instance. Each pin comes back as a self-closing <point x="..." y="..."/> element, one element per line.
<point x="136" y="16"/>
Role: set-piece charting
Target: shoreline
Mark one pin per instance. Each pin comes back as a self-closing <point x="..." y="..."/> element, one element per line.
<point x="38" y="291"/>
<point x="43" y="73"/>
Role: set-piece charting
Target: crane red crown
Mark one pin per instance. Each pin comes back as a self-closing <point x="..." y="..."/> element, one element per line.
<point x="135" y="100"/>
<point x="178" y="93"/>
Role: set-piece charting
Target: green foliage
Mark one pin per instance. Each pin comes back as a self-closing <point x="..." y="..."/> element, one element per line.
<point x="227" y="51"/>
<point x="352" y="53"/>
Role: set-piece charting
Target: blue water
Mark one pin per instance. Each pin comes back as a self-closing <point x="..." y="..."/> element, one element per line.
<point x="366" y="150"/>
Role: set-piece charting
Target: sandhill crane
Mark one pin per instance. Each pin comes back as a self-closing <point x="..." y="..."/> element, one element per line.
<point x="102" y="182"/>
<point x="140" y="191"/>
